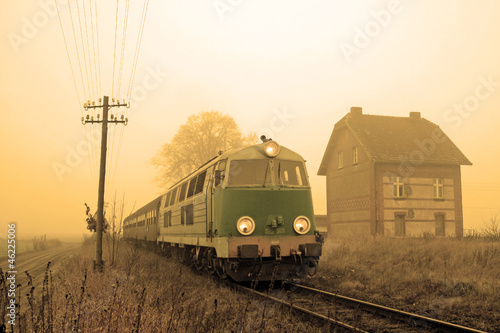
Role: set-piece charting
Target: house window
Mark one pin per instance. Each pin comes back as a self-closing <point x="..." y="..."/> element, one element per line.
<point x="340" y="160"/>
<point x="438" y="188"/>
<point x="399" y="187"/>
<point x="355" y="155"/>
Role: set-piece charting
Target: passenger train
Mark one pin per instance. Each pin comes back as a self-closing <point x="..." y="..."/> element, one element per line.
<point x="246" y="214"/>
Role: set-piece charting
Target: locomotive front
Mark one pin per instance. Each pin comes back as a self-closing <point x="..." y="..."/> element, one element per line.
<point x="263" y="211"/>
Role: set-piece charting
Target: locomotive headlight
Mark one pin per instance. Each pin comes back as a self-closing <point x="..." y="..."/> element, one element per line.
<point x="245" y="225"/>
<point x="272" y="148"/>
<point x="301" y="225"/>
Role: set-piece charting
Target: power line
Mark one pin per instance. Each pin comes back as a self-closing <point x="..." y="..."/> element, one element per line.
<point x="77" y="52"/>
<point x="93" y="48"/>
<point x="83" y="48"/>
<point x="76" y="86"/>
<point x="124" y="39"/>
<point x="138" y="46"/>
<point x="88" y="50"/>
<point x="98" y="47"/>
<point x="114" y="52"/>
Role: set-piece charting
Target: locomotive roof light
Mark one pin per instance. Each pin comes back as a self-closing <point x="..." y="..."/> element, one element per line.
<point x="245" y="225"/>
<point x="272" y="148"/>
<point x="301" y="225"/>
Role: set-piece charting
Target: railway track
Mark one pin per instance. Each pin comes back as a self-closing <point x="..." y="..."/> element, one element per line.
<point x="351" y="314"/>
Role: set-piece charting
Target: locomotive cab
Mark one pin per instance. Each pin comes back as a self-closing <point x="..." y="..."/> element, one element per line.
<point x="262" y="207"/>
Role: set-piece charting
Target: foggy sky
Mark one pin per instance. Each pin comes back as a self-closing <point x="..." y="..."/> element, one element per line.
<point x="288" y="69"/>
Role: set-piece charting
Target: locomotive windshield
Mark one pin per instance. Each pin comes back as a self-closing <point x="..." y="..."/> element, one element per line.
<point x="249" y="172"/>
<point x="256" y="172"/>
<point x="290" y="173"/>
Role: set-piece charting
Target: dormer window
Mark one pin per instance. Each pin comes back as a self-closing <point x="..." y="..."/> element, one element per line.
<point x="340" y="160"/>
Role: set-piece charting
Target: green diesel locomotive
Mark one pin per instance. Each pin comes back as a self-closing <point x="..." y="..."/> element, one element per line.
<point x="246" y="214"/>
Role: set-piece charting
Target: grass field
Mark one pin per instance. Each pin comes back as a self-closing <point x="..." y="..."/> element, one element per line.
<point x="148" y="293"/>
<point x="444" y="278"/>
<point x="448" y="279"/>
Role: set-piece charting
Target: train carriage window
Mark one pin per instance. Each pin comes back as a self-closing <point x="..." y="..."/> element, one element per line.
<point x="182" y="194"/>
<point x="187" y="216"/>
<point x="200" y="182"/>
<point x="167" y="219"/>
<point x="172" y="197"/>
<point x="290" y="173"/>
<point x="192" y="185"/>
<point x="167" y="200"/>
<point x="249" y="172"/>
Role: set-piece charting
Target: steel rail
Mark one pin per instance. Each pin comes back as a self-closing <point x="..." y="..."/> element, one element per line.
<point x="412" y="318"/>
<point x="298" y="308"/>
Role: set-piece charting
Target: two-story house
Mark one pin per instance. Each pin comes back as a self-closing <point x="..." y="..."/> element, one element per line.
<point x="392" y="176"/>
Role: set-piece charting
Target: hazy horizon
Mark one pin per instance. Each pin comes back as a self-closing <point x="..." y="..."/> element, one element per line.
<point x="287" y="69"/>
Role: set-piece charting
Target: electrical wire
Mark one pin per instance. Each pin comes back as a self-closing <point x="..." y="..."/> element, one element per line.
<point x="92" y="172"/>
<point x="83" y="49"/>
<point x="114" y="52"/>
<point x="98" y="47"/>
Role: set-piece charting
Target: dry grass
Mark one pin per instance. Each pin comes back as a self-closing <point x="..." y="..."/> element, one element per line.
<point x="450" y="279"/>
<point x="143" y="292"/>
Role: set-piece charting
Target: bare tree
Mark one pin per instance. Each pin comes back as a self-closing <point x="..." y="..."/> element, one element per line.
<point x="116" y="226"/>
<point x="198" y="140"/>
<point x="491" y="227"/>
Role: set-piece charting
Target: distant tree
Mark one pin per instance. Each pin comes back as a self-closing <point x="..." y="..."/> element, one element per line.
<point x="198" y="140"/>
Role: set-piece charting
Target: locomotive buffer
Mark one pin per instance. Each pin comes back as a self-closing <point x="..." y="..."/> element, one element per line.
<point x="98" y="263"/>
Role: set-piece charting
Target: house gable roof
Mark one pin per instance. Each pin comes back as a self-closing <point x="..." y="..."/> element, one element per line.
<point x="388" y="139"/>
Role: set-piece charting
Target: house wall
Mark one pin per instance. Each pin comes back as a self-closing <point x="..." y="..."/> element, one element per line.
<point x="350" y="203"/>
<point x="418" y="206"/>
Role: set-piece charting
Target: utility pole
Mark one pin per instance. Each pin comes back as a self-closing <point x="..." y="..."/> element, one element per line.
<point x="98" y="263"/>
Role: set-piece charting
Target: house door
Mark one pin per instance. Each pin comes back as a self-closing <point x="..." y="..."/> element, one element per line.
<point x="440" y="225"/>
<point x="399" y="226"/>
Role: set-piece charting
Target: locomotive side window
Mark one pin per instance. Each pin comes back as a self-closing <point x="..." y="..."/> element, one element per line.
<point x="200" y="182"/>
<point x="192" y="185"/>
<point x="249" y="172"/>
<point x="219" y="173"/>
<point x="182" y="194"/>
<point x="290" y="173"/>
<point x="172" y="197"/>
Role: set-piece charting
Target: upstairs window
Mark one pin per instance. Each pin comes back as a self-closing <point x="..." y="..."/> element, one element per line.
<point x="438" y="188"/>
<point x="340" y="160"/>
<point x="399" y="187"/>
<point x="355" y="155"/>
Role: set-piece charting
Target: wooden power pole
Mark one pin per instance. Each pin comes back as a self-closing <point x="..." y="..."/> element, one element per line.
<point x="98" y="263"/>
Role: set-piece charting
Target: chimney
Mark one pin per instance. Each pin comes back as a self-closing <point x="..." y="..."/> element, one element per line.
<point x="356" y="111"/>
<point x="415" y="115"/>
